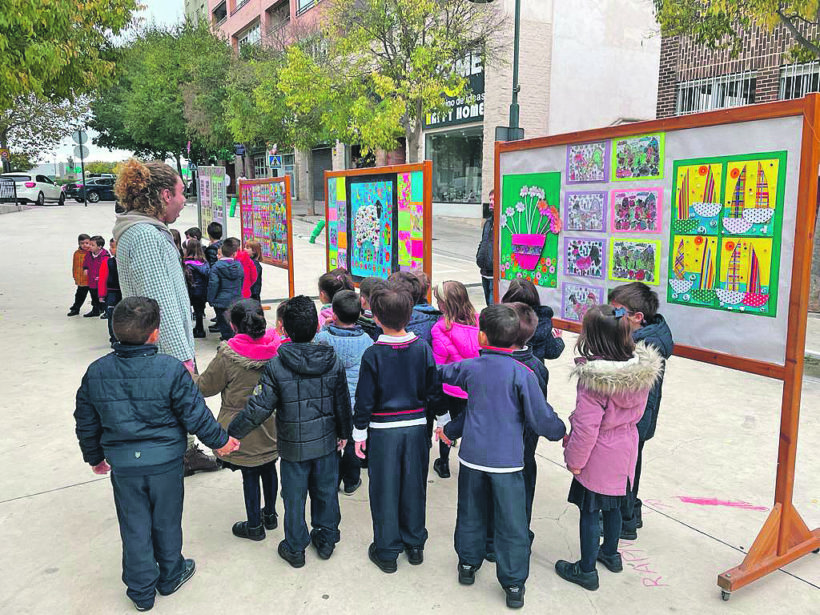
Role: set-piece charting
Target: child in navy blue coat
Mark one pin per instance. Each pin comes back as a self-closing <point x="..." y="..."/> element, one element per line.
<point x="503" y="397"/>
<point x="225" y="286"/>
<point x="349" y="341"/>
<point x="397" y="375"/>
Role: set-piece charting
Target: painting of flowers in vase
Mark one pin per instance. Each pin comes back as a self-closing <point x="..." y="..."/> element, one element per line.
<point x="530" y="221"/>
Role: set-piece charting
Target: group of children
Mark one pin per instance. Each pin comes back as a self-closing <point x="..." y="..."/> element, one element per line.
<point x="218" y="274"/>
<point x="95" y="273"/>
<point x="365" y="382"/>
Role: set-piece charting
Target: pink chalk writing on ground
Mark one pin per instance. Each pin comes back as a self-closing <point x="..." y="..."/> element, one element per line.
<point x="716" y="502"/>
<point x="640" y="562"/>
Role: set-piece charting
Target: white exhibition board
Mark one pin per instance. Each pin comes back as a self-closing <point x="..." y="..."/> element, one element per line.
<point x="742" y="334"/>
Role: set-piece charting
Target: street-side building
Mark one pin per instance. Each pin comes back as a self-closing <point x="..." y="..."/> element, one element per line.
<point x="196" y="11"/>
<point x="583" y="64"/>
<point x="693" y="78"/>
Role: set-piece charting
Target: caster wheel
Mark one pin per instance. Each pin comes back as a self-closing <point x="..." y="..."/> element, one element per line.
<point x="725" y="595"/>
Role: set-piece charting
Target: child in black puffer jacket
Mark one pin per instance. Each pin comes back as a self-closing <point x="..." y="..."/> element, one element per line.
<point x="197" y="271"/>
<point x="544" y="344"/>
<point x="306" y="385"/>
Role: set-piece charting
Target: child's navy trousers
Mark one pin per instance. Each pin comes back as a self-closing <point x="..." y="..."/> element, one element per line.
<point x="397" y="465"/>
<point x="318" y="477"/>
<point x="149" y="510"/>
<point x="505" y="494"/>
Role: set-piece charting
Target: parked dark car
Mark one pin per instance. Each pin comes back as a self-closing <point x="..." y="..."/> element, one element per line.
<point x="100" y="189"/>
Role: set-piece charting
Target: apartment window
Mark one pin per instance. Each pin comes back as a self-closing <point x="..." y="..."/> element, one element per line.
<point x="239" y="5"/>
<point x="716" y="93"/>
<point x="250" y="36"/>
<point x="797" y="80"/>
<point x="220" y="13"/>
<point x="260" y="166"/>
<point x="303" y="5"/>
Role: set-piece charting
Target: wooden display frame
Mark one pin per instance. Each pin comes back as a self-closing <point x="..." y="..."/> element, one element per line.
<point x="426" y="168"/>
<point x="289" y="216"/>
<point x="784" y="536"/>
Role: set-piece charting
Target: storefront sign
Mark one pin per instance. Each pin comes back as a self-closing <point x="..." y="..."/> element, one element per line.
<point x="469" y="107"/>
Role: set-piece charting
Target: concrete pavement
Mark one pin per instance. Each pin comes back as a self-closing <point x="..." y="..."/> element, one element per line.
<point x="716" y="442"/>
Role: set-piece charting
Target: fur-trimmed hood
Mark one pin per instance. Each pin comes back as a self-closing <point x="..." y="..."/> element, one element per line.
<point x="617" y="377"/>
<point x="252" y="353"/>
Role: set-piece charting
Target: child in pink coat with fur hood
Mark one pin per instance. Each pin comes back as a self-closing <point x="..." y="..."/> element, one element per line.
<point x="455" y="338"/>
<point x="614" y="379"/>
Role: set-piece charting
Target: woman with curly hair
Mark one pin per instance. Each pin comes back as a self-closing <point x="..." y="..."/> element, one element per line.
<point x="152" y="195"/>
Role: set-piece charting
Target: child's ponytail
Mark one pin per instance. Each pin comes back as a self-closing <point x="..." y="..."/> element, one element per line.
<point x="334" y="281"/>
<point x="248" y="318"/>
<point x="606" y="334"/>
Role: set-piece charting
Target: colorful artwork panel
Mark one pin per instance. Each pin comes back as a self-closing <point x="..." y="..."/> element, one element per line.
<point x="263" y="214"/>
<point x="585" y="257"/>
<point x="751" y="200"/>
<point x="635" y="260"/>
<point x="371" y="228"/>
<point x="410" y="221"/>
<point x="636" y="211"/>
<point x="639" y="157"/>
<point x="693" y="266"/>
<point x="578" y="298"/>
<point x="530" y="222"/>
<point x="588" y="162"/>
<point x="585" y="211"/>
<point x="747" y="275"/>
<point x="696" y="200"/>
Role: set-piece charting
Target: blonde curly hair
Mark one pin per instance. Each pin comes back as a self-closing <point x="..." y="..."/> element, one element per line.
<point x="139" y="186"/>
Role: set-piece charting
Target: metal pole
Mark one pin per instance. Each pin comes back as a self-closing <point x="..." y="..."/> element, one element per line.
<point x="515" y="86"/>
<point x="82" y="168"/>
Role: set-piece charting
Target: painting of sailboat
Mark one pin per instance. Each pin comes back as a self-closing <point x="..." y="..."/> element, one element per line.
<point x="693" y="270"/>
<point x="744" y="283"/>
<point x="696" y="205"/>
<point x="751" y="200"/>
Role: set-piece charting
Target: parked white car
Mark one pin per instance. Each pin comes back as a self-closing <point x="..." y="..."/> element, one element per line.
<point x="36" y="188"/>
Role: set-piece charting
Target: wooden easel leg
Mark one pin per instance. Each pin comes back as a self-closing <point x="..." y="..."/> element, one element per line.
<point x="768" y="553"/>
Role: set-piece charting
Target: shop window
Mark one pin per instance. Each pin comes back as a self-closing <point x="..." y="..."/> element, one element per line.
<point x="457" y="157"/>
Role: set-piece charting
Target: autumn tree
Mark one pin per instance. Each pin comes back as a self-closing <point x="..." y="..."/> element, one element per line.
<point x="33" y="125"/>
<point x="382" y="65"/>
<point x="719" y="24"/>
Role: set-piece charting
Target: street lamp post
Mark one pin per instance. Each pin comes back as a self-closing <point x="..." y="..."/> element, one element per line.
<point x="512" y="132"/>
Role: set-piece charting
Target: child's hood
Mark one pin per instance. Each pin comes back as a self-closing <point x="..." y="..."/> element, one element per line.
<point x="229" y="269"/>
<point x="355" y="331"/>
<point x="426" y="308"/>
<point x="621" y="377"/>
<point x="307" y="359"/>
<point x="657" y="334"/>
<point x="253" y="353"/>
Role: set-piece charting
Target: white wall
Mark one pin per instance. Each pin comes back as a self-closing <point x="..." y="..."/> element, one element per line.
<point x="605" y="57"/>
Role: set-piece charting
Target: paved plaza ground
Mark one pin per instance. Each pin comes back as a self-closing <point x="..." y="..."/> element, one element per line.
<point x="716" y="442"/>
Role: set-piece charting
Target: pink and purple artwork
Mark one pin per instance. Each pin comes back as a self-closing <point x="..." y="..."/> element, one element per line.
<point x="585" y="257"/>
<point x="636" y="211"/>
<point x="578" y="298"/>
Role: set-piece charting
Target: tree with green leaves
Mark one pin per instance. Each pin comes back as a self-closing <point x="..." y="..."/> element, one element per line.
<point x="33" y="125"/>
<point x="57" y="50"/>
<point x="382" y="65"/>
<point x="721" y="24"/>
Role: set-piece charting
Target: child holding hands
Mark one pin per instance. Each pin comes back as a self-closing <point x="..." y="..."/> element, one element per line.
<point x="615" y="376"/>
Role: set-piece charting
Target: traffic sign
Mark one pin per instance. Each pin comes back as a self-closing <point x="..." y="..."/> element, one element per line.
<point x="275" y="162"/>
<point x="80" y="136"/>
<point x="81" y="151"/>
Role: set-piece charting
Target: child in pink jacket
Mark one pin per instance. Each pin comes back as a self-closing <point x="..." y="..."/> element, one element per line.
<point x="455" y="338"/>
<point x="614" y="379"/>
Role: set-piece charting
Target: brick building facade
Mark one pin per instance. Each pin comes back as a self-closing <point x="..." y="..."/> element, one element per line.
<point x="693" y="78"/>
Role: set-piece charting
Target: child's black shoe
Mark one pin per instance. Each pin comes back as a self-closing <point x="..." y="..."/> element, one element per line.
<point x="145" y="606"/>
<point x="466" y="574"/>
<point x="200" y="333"/>
<point x="613" y="563"/>
<point x="187" y="572"/>
<point x="442" y="468"/>
<point x="628" y="533"/>
<point x="353" y="488"/>
<point x="572" y="572"/>
<point x="92" y="314"/>
<point x="73" y="312"/>
<point x="515" y="596"/>
<point x="104" y="316"/>
<point x="384" y="566"/>
<point x="213" y="329"/>
<point x="295" y="559"/>
<point x="271" y="521"/>
<point x="415" y="555"/>
<point x="323" y="548"/>
<point x="242" y="529"/>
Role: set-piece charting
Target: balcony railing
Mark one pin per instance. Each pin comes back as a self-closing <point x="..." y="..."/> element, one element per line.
<point x="239" y="5"/>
